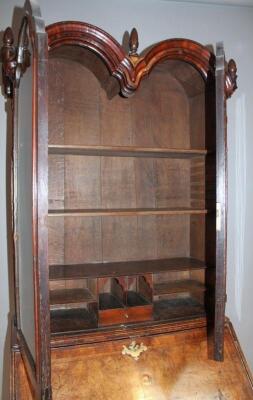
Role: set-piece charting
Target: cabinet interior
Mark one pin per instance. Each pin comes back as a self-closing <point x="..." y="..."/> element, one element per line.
<point x="131" y="187"/>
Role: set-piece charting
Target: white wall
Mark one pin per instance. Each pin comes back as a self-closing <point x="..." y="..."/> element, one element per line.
<point x="155" y="21"/>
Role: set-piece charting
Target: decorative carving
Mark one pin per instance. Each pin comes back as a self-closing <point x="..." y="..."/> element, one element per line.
<point x="133" y="42"/>
<point x="129" y="69"/>
<point x="231" y="78"/>
<point x="134" y="350"/>
<point x="133" y="47"/>
<point x="15" y="60"/>
<point x="9" y="63"/>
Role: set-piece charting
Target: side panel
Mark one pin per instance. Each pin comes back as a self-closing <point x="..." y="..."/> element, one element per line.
<point x="24" y="211"/>
<point x="221" y="205"/>
<point x="30" y="202"/>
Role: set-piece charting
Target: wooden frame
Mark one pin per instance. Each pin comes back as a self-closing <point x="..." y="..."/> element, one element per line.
<point x="15" y="62"/>
<point x="126" y="73"/>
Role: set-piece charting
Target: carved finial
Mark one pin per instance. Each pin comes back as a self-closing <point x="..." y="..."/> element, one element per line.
<point x="232" y="70"/>
<point x="133" y="42"/>
<point x="8" y="57"/>
<point x="231" y="78"/>
<point x="15" y="59"/>
<point x="8" y="38"/>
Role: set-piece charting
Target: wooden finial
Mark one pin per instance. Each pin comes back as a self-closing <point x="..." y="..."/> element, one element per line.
<point x="133" y="42"/>
<point x="8" y="38"/>
<point x="232" y="69"/>
<point x="231" y="78"/>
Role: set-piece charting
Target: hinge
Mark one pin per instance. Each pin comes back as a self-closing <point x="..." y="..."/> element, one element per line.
<point x="218" y="217"/>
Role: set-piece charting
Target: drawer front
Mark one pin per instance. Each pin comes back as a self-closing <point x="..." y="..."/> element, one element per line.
<point x="139" y="313"/>
<point x="112" y="317"/>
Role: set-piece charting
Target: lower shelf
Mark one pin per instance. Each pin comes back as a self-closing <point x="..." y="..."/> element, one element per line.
<point x="134" y="299"/>
<point x="68" y="298"/>
<point x="179" y="308"/>
<point x="107" y="302"/>
<point x="76" y="320"/>
<point x="72" y="320"/>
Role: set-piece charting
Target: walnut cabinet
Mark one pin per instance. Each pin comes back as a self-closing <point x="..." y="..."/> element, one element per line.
<point x="119" y="187"/>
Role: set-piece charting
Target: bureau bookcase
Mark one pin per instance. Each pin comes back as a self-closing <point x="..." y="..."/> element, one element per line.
<point x="119" y="177"/>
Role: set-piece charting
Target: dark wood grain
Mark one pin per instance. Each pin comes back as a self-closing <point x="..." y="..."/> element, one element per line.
<point x="125" y="151"/>
<point x="125" y="376"/>
<point x="122" y="268"/>
<point x="32" y="30"/>
<point x="69" y="297"/>
<point x="125" y="212"/>
<point x="178" y="287"/>
<point x="130" y="183"/>
<point x="116" y="60"/>
<point x="221" y="199"/>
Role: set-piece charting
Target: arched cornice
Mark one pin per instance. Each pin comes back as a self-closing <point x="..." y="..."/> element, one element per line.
<point x="130" y="69"/>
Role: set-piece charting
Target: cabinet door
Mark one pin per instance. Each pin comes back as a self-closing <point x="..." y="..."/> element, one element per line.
<point x="30" y="200"/>
<point x="221" y="200"/>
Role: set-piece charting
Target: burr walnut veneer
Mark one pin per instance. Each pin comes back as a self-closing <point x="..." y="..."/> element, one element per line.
<point x="119" y="188"/>
<point x="174" y="367"/>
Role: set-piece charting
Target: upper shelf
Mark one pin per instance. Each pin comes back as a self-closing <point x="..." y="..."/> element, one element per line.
<point x="125" y="151"/>
<point x="125" y="212"/>
<point x="122" y="268"/>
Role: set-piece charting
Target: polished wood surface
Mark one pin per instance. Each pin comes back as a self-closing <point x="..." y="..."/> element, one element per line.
<point x="126" y="151"/>
<point x="128" y="181"/>
<point x="124" y="212"/>
<point x="123" y="268"/>
<point x="130" y="72"/>
<point x="29" y="55"/>
<point x="126" y="190"/>
<point x="174" y="367"/>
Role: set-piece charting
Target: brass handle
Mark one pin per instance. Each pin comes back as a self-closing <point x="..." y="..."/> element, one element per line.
<point x="134" y="350"/>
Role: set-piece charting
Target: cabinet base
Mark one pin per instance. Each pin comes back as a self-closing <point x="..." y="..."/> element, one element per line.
<point x="176" y="365"/>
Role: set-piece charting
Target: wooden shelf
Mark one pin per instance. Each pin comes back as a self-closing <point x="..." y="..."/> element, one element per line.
<point x="125" y="212"/>
<point x="135" y="299"/>
<point x="107" y="302"/>
<point x="181" y="286"/>
<point x="69" y="298"/>
<point x="72" y="320"/>
<point x="177" y="309"/>
<point x="125" y="151"/>
<point x="123" y="268"/>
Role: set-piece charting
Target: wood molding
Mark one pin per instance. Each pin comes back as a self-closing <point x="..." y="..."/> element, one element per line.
<point x="124" y="332"/>
<point x="28" y="362"/>
<point x="129" y="69"/>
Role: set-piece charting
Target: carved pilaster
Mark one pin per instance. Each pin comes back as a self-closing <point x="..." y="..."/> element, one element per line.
<point x="15" y="60"/>
<point x="9" y="61"/>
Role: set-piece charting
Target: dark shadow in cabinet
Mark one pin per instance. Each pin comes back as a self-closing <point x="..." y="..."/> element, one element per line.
<point x="210" y="229"/>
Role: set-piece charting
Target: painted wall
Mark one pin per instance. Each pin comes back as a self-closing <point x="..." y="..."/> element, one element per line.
<point x="155" y="21"/>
